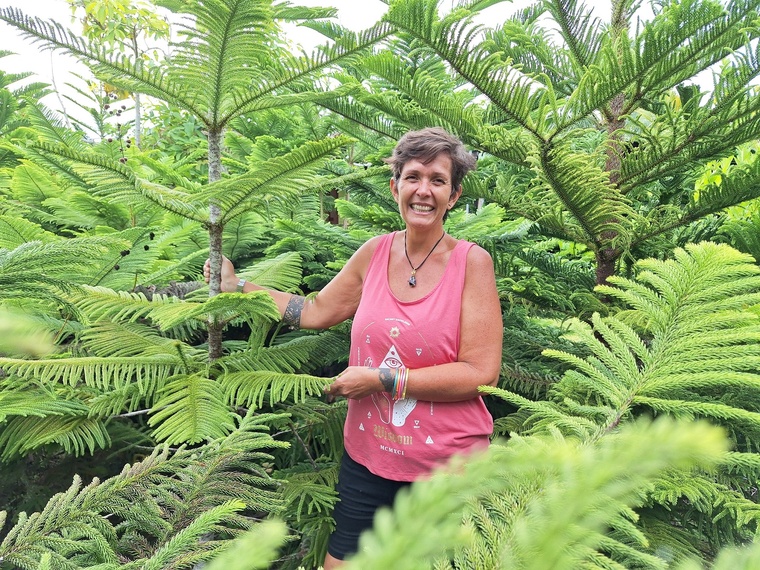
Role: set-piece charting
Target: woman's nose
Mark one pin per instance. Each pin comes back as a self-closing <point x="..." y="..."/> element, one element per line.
<point x="424" y="187"/>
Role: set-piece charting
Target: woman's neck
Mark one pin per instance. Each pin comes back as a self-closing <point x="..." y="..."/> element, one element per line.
<point x="417" y="240"/>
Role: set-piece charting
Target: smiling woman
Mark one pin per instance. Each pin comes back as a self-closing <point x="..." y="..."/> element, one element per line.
<point x="421" y="344"/>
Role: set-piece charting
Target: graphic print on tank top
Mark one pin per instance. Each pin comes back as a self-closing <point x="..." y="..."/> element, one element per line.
<point x="391" y="411"/>
<point x="407" y="439"/>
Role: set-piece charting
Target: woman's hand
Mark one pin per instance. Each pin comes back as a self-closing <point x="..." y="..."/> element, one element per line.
<point x="229" y="278"/>
<point x="355" y="382"/>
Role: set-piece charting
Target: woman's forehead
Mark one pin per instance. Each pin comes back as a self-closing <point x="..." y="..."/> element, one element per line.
<point x="440" y="164"/>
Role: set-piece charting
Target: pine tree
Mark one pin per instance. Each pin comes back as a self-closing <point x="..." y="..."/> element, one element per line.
<point x="600" y="124"/>
<point x="135" y="371"/>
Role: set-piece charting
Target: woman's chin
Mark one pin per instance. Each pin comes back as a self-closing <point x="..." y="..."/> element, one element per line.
<point x="422" y="221"/>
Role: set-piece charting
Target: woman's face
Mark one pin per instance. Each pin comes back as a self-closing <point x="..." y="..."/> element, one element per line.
<point x="424" y="193"/>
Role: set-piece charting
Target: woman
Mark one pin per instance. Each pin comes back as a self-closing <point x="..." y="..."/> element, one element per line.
<point x="426" y="333"/>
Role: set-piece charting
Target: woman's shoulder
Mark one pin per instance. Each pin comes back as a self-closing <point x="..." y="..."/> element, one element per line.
<point x="362" y="256"/>
<point x="474" y="253"/>
<point x="478" y="259"/>
<point x="369" y="246"/>
<point x="478" y="253"/>
<point x="374" y="242"/>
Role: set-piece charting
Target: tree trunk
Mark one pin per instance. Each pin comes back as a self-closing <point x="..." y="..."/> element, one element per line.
<point x="138" y="110"/>
<point x="606" y="256"/>
<point x="605" y="265"/>
<point x="332" y="215"/>
<point x="215" y="241"/>
<point x="138" y="121"/>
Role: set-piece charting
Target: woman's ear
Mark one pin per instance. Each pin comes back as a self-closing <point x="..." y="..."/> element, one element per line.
<point x="394" y="190"/>
<point x="455" y="197"/>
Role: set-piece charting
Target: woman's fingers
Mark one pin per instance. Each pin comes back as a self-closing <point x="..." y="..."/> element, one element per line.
<point x="333" y="389"/>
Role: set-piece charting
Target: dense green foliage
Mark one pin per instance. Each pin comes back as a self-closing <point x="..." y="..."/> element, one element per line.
<point x="610" y="190"/>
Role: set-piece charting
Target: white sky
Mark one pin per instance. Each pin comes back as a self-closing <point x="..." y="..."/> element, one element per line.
<point x="354" y="14"/>
<point x="55" y="68"/>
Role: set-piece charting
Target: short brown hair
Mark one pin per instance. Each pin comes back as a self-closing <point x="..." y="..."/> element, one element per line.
<point x="424" y="145"/>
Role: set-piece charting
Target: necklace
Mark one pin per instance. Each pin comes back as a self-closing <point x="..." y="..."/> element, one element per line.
<point x="412" y="278"/>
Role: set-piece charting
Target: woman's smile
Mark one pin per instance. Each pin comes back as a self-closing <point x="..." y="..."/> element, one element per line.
<point x="423" y="190"/>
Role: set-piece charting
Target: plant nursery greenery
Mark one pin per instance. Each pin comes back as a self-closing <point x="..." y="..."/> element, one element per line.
<point x="149" y="421"/>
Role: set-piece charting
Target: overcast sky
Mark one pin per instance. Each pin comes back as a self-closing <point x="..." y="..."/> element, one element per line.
<point x="354" y="14"/>
<point x="55" y="68"/>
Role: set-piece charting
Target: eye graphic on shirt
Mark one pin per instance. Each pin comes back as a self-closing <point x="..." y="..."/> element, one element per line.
<point x="395" y="411"/>
<point x="392" y="359"/>
<point x="400" y="408"/>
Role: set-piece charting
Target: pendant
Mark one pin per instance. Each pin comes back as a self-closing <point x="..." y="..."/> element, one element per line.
<point x="413" y="280"/>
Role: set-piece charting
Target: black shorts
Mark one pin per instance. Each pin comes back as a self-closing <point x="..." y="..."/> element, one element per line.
<point x="360" y="494"/>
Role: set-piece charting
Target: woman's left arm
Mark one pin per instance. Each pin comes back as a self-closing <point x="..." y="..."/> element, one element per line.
<point x="479" y="361"/>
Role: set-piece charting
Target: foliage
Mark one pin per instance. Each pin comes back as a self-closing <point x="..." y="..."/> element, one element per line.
<point x="556" y="499"/>
<point x="558" y="495"/>
<point x="122" y="26"/>
<point x="13" y="102"/>
<point x="599" y="129"/>
<point x="120" y="22"/>
<point x="153" y="513"/>
<point x="21" y="334"/>
<point x="596" y="157"/>
<point x="685" y="348"/>
<point x="132" y="367"/>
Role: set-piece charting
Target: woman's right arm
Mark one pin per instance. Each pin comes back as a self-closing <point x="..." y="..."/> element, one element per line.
<point x="333" y="304"/>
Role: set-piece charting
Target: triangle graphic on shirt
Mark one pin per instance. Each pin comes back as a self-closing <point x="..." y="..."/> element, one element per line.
<point x="369" y="414"/>
<point x="429" y="440"/>
<point x="419" y="351"/>
<point x="361" y="427"/>
<point x="392" y="359"/>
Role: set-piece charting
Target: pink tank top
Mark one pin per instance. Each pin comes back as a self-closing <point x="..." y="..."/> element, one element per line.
<point x="406" y="439"/>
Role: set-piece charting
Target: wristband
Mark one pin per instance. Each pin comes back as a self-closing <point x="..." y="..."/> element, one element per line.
<point x="240" y="285"/>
